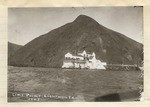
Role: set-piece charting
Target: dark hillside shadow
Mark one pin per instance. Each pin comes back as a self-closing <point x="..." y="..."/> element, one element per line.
<point x="126" y="96"/>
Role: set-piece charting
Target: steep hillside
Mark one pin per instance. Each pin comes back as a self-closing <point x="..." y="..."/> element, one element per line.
<point x="84" y="33"/>
<point x="12" y="48"/>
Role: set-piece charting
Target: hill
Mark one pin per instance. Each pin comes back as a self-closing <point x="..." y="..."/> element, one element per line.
<point x="12" y="48"/>
<point x="84" y="33"/>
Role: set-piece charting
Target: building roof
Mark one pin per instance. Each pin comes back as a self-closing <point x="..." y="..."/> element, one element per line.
<point x="74" y="60"/>
<point x="77" y="55"/>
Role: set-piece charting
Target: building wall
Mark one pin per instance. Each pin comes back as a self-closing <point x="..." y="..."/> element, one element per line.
<point x="68" y="65"/>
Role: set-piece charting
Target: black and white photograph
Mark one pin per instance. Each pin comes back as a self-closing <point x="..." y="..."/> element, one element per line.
<point x="75" y="54"/>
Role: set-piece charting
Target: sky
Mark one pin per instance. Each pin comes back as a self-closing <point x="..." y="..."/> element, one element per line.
<point x="25" y="24"/>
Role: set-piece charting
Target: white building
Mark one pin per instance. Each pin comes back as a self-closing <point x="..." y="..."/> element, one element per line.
<point x="83" y="60"/>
